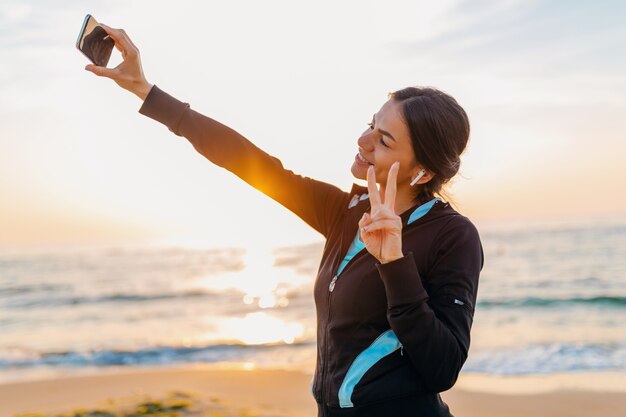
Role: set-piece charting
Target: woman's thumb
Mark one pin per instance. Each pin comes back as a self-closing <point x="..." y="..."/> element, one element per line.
<point x="101" y="71"/>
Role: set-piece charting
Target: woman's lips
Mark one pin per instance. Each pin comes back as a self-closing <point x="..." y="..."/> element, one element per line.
<point x="360" y="160"/>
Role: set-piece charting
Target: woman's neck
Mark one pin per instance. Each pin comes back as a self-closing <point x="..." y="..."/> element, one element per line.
<point x="405" y="199"/>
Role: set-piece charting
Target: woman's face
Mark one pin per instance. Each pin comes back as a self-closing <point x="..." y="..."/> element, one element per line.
<point x="386" y="140"/>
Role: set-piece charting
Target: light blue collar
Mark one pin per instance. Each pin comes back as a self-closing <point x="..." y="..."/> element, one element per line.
<point x="422" y="210"/>
<point x="357" y="245"/>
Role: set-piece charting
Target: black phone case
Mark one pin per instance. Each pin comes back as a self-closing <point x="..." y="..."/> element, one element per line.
<point x="96" y="45"/>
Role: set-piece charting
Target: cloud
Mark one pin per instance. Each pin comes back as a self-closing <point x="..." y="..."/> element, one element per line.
<point x="523" y="37"/>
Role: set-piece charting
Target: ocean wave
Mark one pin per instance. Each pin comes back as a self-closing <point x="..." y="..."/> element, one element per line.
<point x="549" y="358"/>
<point x="600" y="301"/>
<point x="26" y="289"/>
<point x="26" y="303"/>
<point x="23" y="358"/>
<point x="529" y="359"/>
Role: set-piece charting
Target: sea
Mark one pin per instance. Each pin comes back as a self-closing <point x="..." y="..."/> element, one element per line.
<point x="551" y="299"/>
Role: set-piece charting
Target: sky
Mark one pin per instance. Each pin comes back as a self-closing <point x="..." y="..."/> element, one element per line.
<point x="542" y="82"/>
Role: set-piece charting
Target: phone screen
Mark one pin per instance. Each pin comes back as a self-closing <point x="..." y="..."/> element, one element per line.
<point x="94" y="42"/>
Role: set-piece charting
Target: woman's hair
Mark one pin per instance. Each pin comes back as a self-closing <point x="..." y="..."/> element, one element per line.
<point x="439" y="130"/>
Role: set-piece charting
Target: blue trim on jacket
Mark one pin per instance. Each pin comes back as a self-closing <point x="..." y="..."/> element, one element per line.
<point x="384" y="344"/>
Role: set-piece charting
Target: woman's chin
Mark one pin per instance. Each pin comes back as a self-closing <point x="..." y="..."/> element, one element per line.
<point x="359" y="171"/>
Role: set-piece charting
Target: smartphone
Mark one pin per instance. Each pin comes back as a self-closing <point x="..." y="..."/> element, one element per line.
<point x="94" y="42"/>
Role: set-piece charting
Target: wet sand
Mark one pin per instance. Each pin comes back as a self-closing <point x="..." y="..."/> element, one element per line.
<point x="218" y="391"/>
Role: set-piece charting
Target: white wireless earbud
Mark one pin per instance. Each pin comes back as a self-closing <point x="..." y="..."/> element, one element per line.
<point x="420" y="175"/>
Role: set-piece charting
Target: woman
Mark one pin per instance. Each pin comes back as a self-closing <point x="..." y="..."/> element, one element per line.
<point x="393" y="320"/>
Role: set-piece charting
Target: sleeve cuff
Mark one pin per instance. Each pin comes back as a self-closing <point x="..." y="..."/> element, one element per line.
<point x="402" y="281"/>
<point x="164" y="108"/>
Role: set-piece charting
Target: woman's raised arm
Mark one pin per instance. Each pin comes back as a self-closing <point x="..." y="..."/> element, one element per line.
<point x="318" y="203"/>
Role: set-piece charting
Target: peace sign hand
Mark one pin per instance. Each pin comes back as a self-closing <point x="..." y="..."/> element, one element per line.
<point x="381" y="230"/>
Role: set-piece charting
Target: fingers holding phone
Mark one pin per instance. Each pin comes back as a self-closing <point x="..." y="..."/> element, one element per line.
<point x="129" y="73"/>
<point x="122" y="41"/>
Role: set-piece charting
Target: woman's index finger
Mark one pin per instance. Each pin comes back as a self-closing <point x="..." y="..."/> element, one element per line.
<point x="117" y="35"/>
<point x="372" y="188"/>
<point x="112" y="32"/>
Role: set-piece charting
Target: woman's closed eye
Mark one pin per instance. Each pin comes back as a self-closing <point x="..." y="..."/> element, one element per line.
<point x="371" y="125"/>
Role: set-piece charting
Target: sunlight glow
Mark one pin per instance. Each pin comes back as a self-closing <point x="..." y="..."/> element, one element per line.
<point x="249" y="366"/>
<point x="260" y="281"/>
<point x="261" y="328"/>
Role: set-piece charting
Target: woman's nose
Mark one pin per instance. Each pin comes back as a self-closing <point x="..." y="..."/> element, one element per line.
<point x="364" y="141"/>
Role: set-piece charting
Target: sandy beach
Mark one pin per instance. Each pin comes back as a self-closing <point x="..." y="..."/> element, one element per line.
<point x="222" y="391"/>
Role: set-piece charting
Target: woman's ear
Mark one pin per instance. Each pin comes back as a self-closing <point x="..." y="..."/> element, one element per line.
<point x="428" y="176"/>
<point x="424" y="174"/>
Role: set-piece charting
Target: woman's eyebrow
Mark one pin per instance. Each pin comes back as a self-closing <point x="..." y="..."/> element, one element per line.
<point x="384" y="132"/>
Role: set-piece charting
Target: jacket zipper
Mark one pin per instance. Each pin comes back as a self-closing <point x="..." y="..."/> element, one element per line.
<point x="331" y="288"/>
<point x="323" y="386"/>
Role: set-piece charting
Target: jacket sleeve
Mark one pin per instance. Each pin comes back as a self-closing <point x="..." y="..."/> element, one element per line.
<point x="318" y="203"/>
<point x="434" y="327"/>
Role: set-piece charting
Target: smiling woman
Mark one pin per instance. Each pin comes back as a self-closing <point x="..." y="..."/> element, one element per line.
<point x="423" y="128"/>
<point x="397" y="283"/>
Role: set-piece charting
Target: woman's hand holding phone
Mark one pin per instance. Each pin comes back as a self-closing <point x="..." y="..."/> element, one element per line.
<point x="128" y="74"/>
